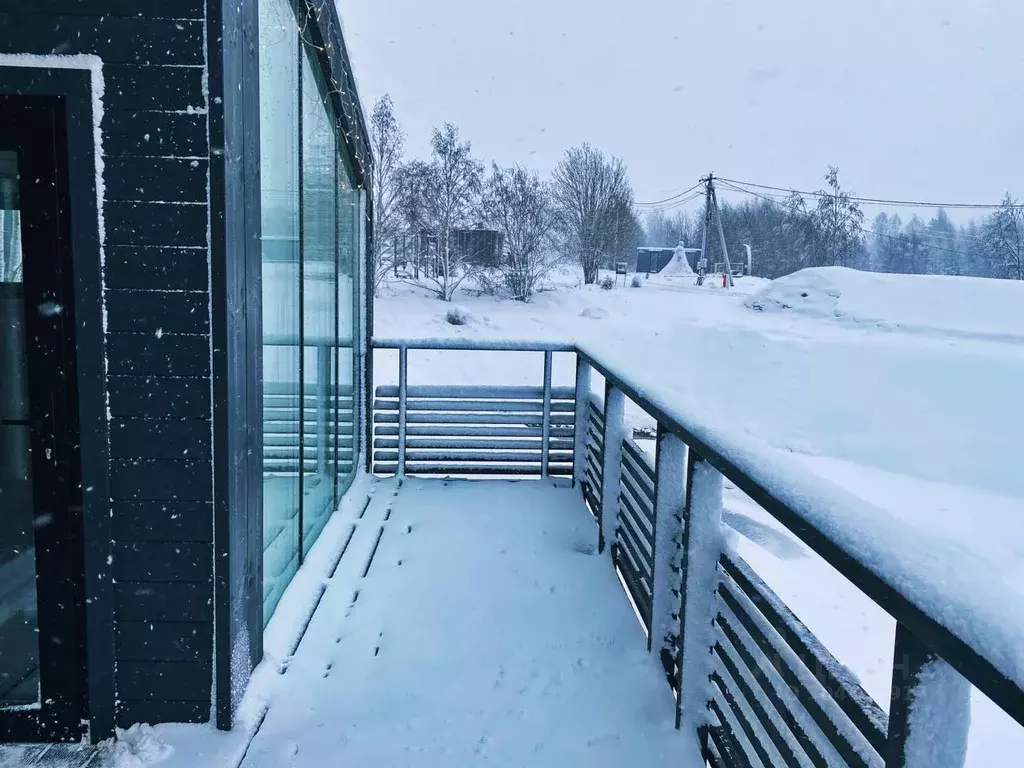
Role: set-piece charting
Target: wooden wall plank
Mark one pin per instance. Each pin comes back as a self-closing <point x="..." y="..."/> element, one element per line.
<point x="141" y="354"/>
<point x="187" y="439"/>
<point x="167" y="134"/>
<point x="148" y="223"/>
<point x="151" y="397"/>
<point x="164" y="641"/>
<point x="175" y="561"/>
<point x="116" y="40"/>
<point x="179" y="180"/>
<point x="153" y="9"/>
<point x="163" y="89"/>
<point x="157" y="268"/>
<point x="154" y="711"/>
<point x="163" y="601"/>
<point x="158" y="312"/>
<point x="148" y="520"/>
<point x="160" y="479"/>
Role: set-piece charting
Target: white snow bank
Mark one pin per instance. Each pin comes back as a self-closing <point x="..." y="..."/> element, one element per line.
<point x="138" y="747"/>
<point x="459" y="315"/>
<point x="966" y="307"/>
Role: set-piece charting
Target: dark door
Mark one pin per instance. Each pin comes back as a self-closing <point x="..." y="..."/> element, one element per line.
<point x="41" y="654"/>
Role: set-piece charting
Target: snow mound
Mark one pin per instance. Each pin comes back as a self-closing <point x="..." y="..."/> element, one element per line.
<point x="678" y="266"/>
<point x="138" y="747"/>
<point x="459" y="315"/>
<point x="967" y="307"/>
<point x="595" y="313"/>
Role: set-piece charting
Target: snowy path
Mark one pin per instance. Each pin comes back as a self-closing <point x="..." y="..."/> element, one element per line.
<point x="469" y="623"/>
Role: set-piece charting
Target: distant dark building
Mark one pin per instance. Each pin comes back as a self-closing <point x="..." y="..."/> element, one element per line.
<point x="652" y="260"/>
<point x="479" y="247"/>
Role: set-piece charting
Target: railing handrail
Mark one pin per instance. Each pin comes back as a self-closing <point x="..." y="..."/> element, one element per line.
<point x="478" y="345"/>
<point x="312" y="340"/>
<point x="798" y="499"/>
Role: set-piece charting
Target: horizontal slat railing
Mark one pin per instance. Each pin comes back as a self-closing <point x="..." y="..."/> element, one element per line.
<point x="457" y="429"/>
<point x="770" y="692"/>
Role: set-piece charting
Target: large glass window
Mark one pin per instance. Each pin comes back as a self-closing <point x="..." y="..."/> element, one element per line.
<point x="282" y="308"/>
<point x="319" y="313"/>
<point x="349" y="240"/>
<point x="19" y="626"/>
<point x="312" y="230"/>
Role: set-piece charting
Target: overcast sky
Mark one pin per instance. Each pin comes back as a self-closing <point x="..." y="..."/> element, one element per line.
<point x="919" y="99"/>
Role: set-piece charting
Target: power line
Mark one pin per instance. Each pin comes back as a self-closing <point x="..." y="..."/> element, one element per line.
<point x="806" y="213"/>
<point x="876" y="200"/>
<point x="677" y="204"/>
<point x="775" y="199"/>
<point x="669" y="199"/>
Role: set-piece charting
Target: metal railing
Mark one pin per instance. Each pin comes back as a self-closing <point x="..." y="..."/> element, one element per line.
<point x="473" y="429"/>
<point x="757" y="684"/>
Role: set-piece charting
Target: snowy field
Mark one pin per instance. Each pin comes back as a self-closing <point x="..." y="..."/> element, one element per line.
<point x="903" y="390"/>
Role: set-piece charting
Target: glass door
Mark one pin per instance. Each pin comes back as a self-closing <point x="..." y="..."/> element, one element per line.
<point x="41" y="656"/>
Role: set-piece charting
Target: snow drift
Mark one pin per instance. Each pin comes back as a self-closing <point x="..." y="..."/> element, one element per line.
<point x="965" y="307"/>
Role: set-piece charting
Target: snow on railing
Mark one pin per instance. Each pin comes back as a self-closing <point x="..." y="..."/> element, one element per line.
<point x="750" y="676"/>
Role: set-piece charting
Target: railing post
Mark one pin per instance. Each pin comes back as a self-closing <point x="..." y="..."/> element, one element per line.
<point x="930" y="711"/>
<point x="669" y="499"/>
<point x="545" y="429"/>
<point x="403" y="386"/>
<point x="702" y="548"/>
<point x="614" y="431"/>
<point x="323" y="401"/>
<point x="579" y="455"/>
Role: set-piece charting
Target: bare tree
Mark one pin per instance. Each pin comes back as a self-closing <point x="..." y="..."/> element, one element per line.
<point x="667" y="231"/>
<point x="438" y="197"/>
<point x="518" y="204"/>
<point x="388" y="143"/>
<point x="1004" y="239"/>
<point x="839" y="221"/>
<point x="591" y="195"/>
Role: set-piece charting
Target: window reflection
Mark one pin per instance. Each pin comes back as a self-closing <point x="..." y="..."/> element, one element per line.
<point x="312" y="228"/>
<point x="319" y="275"/>
<point x="282" y="318"/>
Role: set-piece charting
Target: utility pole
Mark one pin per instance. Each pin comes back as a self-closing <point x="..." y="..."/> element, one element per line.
<point x="707" y="223"/>
<point x="721" y="232"/>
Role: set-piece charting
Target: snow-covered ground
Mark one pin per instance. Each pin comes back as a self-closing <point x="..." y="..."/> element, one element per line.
<point x="470" y="625"/>
<point x="903" y="390"/>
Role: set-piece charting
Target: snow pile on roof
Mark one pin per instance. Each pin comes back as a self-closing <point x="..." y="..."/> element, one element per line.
<point x="968" y="307"/>
<point x="679" y="266"/>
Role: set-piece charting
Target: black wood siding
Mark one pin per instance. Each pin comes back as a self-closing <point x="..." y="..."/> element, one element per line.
<point x="156" y="287"/>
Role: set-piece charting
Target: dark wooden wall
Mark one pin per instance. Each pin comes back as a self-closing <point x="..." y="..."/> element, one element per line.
<point x="156" y="287"/>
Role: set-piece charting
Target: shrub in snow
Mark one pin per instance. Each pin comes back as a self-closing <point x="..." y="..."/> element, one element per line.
<point x="594" y="313"/>
<point x="607" y="284"/>
<point x="638" y="282"/>
<point x="459" y="316"/>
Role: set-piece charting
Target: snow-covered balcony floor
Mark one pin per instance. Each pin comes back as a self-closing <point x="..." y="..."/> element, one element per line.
<point x="470" y="623"/>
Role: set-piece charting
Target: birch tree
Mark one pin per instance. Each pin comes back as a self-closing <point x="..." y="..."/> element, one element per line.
<point x="838" y="218"/>
<point x="388" y="144"/>
<point x="438" y="197"/>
